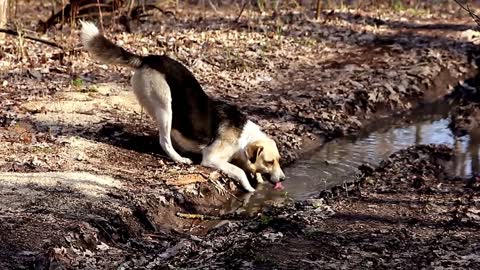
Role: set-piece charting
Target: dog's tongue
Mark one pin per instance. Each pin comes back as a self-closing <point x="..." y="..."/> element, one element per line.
<point x="278" y="185"/>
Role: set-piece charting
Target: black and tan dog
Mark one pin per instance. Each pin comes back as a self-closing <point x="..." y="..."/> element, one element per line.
<point x="190" y="120"/>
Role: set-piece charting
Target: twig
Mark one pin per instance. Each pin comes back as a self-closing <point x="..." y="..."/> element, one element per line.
<point x="232" y="216"/>
<point x="20" y="41"/>
<point x="135" y="13"/>
<point x="212" y="6"/>
<point x="474" y="16"/>
<point x="63" y="12"/>
<point x="15" y="33"/>
<point x="241" y="11"/>
<point x="344" y="185"/>
<point x="101" y="15"/>
<point x="98" y="5"/>
<point x="197" y="216"/>
<point x="131" y="4"/>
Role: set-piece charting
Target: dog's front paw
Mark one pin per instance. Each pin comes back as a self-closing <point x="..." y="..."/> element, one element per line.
<point x="249" y="189"/>
<point x="184" y="160"/>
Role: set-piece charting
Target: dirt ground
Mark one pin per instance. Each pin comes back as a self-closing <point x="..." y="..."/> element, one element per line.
<point x="84" y="184"/>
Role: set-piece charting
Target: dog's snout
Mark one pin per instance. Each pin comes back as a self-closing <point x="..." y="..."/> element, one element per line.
<point x="277" y="176"/>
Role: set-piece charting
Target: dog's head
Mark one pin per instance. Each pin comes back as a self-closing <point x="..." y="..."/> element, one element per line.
<point x="264" y="158"/>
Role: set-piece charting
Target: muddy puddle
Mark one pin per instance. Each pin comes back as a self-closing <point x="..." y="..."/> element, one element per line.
<point x="337" y="161"/>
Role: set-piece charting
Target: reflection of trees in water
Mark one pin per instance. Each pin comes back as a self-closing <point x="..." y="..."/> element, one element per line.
<point x="459" y="158"/>
<point x="465" y="160"/>
<point x="473" y="148"/>
<point x="418" y="133"/>
<point x="336" y="152"/>
<point x="470" y="154"/>
<point x="385" y="144"/>
<point x="330" y="152"/>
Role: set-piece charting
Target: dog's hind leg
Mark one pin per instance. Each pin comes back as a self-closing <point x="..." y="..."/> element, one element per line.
<point x="164" y="122"/>
<point x="153" y="93"/>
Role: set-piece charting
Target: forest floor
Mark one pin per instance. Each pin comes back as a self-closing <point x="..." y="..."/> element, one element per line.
<point x="84" y="184"/>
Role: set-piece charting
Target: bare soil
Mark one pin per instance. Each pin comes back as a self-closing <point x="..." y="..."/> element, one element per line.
<point x="84" y="184"/>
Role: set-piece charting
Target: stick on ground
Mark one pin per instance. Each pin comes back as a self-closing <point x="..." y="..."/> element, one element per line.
<point x="15" y="33"/>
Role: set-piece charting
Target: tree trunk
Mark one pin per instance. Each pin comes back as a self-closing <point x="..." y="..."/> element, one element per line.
<point x="319" y="9"/>
<point x="3" y="15"/>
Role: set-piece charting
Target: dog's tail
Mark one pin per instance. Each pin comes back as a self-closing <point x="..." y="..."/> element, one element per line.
<point x="105" y="50"/>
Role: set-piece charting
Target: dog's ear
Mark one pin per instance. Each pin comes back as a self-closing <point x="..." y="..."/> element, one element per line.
<point x="253" y="151"/>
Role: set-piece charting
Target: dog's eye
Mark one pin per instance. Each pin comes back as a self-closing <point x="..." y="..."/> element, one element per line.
<point x="269" y="162"/>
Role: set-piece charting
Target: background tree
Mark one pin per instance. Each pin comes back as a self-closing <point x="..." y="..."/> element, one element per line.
<point x="3" y="15"/>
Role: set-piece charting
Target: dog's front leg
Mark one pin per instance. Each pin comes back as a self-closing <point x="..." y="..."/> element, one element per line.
<point x="218" y="155"/>
<point x="259" y="178"/>
<point x="231" y="170"/>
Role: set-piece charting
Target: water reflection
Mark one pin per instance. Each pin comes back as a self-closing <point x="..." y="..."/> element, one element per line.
<point x="337" y="162"/>
<point x="473" y="147"/>
<point x="467" y="159"/>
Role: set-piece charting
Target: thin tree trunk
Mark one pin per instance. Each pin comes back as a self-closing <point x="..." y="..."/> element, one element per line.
<point x="3" y="15"/>
<point x="319" y="9"/>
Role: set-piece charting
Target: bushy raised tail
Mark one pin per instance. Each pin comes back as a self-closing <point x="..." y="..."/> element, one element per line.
<point x="105" y="50"/>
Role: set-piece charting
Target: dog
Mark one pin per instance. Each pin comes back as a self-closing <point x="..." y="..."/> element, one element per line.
<point x="188" y="119"/>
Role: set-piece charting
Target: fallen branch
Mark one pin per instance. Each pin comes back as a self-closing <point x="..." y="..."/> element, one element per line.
<point x="137" y="11"/>
<point x="15" y="33"/>
<point x="197" y="216"/>
<point x="228" y="216"/>
<point x="474" y="16"/>
<point x="74" y="9"/>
